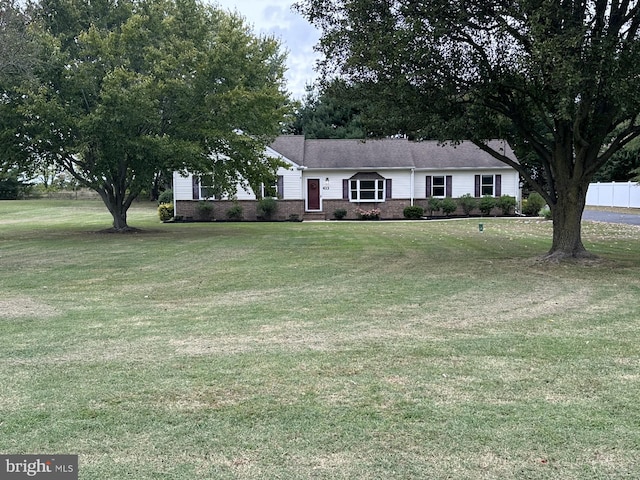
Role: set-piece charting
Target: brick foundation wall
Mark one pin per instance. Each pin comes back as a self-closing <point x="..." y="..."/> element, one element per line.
<point x="189" y="209"/>
<point x="389" y="210"/>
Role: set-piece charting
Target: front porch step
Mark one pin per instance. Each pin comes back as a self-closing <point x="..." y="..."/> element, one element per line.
<point x="311" y="216"/>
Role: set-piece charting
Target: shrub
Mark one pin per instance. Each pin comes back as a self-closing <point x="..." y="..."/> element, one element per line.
<point x="372" y="214"/>
<point x="165" y="211"/>
<point x="339" y="213"/>
<point x="546" y="213"/>
<point x="532" y="205"/>
<point x="204" y="209"/>
<point x="486" y="204"/>
<point x="166" y="197"/>
<point x="267" y="208"/>
<point x="11" y="188"/>
<point x="434" y="205"/>
<point x="235" y="213"/>
<point x="413" y="212"/>
<point x="506" y="203"/>
<point x="448" y="206"/>
<point x="467" y="203"/>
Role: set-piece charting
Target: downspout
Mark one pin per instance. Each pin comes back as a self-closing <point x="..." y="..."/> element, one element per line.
<point x="175" y="200"/>
<point x="301" y="169"/>
<point x="412" y="187"/>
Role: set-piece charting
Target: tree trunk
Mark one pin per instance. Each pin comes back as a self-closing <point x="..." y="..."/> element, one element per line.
<point x="118" y="211"/>
<point x="567" y="224"/>
<point x="119" y="215"/>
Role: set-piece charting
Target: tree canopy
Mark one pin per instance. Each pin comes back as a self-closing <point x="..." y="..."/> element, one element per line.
<point x="17" y="47"/>
<point x="18" y="58"/>
<point x="326" y="113"/>
<point x="556" y="78"/>
<point x="131" y="87"/>
<point x="623" y="166"/>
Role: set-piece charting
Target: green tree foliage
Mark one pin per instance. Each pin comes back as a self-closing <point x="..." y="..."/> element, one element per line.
<point x="555" y="78"/>
<point x="18" y="54"/>
<point x="326" y="112"/>
<point x="621" y="166"/>
<point x="134" y="87"/>
<point x="11" y="187"/>
<point x="18" y="47"/>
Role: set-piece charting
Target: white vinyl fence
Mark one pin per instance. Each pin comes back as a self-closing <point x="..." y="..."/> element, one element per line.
<point x="614" y="194"/>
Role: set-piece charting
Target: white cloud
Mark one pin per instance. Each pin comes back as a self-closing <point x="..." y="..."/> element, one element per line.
<point x="277" y="18"/>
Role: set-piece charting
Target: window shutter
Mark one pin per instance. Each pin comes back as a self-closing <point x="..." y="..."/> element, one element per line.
<point x="387" y="194"/>
<point x="345" y="189"/>
<point x="448" y="186"/>
<point x="195" y="187"/>
<point x="477" y="193"/>
<point x="280" y="187"/>
<point x="428" y="188"/>
<point x="498" y="185"/>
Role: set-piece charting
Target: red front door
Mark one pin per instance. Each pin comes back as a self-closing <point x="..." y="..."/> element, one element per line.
<point x="313" y="194"/>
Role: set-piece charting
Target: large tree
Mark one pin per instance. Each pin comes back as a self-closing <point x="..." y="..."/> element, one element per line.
<point x="326" y="112"/>
<point x="132" y="87"/>
<point x="556" y="78"/>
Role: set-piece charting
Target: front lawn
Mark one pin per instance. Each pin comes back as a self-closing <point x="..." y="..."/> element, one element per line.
<point x="317" y="349"/>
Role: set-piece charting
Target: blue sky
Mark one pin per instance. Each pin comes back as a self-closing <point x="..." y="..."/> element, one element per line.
<point x="297" y="35"/>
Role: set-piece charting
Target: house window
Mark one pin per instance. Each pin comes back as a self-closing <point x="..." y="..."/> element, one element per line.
<point x="274" y="190"/>
<point x="488" y="185"/>
<point x="365" y="190"/>
<point x="438" y="186"/>
<point x="206" y="187"/>
<point x="269" y="191"/>
<point x="366" y="187"/>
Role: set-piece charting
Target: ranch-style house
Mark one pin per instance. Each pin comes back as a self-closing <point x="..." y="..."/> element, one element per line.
<point x="388" y="175"/>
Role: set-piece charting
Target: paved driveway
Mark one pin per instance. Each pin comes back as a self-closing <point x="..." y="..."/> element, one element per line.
<point x="611" y="217"/>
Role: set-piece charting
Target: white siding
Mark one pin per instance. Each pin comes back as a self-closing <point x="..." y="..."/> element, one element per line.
<point x="292" y="184"/>
<point x="182" y="187"/>
<point x="183" y="190"/>
<point x="463" y="181"/>
<point x="401" y="183"/>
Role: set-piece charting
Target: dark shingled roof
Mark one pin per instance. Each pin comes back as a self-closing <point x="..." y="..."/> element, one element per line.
<point x="386" y="153"/>
<point x="291" y="147"/>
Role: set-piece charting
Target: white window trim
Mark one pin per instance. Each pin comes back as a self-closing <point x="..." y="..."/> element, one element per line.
<point x="492" y="184"/>
<point x="443" y="186"/>
<point x="380" y="194"/>
<point x="204" y="188"/>
<point x="275" y="187"/>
